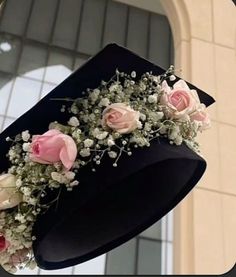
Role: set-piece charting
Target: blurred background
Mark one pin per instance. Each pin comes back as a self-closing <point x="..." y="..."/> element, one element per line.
<point x="44" y="41"/>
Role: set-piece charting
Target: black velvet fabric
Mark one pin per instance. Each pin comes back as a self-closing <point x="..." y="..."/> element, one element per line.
<point x="112" y="205"/>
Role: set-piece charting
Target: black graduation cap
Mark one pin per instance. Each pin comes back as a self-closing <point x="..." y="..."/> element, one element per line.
<point x="112" y="205"/>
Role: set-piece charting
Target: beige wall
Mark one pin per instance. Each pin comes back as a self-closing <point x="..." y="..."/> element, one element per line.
<point x="205" y="47"/>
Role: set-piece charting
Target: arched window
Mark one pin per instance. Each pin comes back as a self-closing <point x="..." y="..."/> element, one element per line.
<point x="41" y="43"/>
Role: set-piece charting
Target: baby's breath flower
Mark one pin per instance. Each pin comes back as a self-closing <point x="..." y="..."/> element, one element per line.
<point x="94" y="94"/>
<point x="92" y="116"/>
<point x="110" y="141"/>
<point x="172" y="78"/>
<point x="74" y="109"/>
<point x="178" y="140"/>
<point x="85" y="152"/>
<point x="133" y="74"/>
<point x="70" y="175"/>
<point x="74" y="183"/>
<point x="88" y="143"/>
<point x="59" y="177"/>
<point x="147" y="127"/>
<point x="18" y="183"/>
<point x="32" y="201"/>
<point x="104" y="102"/>
<point x="155" y="116"/>
<point x="139" y="125"/>
<point x="102" y="135"/>
<point x="21" y="228"/>
<point x="141" y="141"/>
<point x="163" y="129"/>
<point x="114" y="87"/>
<point x="156" y="79"/>
<point x="112" y="154"/>
<point x="152" y="98"/>
<point x="26" y="191"/>
<point x="142" y="86"/>
<point x="20" y="218"/>
<point x="26" y="146"/>
<point x="25" y="135"/>
<point x="73" y="121"/>
<point x="142" y="116"/>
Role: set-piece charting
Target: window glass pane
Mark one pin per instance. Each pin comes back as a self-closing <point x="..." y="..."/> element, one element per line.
<point x="121" y="260"/>
<point x="15" y="16"/>
<point x="33" y="61"/>
<point x="59" y="67"/>
<point x="163" y="257"/>
<point x="79" y="62"/>
<point x="115" y="28"/>
<point x="46" y="89"/>
<point x="1" y="123"/>
<point x="24" y="95"/>
<point x="91" y="27"/>
<point x="153" y="232"/>
<point x="169" y="258"/>
<point x="41" y="20"/>
<point x="95" y="266"/>
<point x="8" y="59"/>
<point x="5" y="88"/>
<point x="66" y="30"/>
<point x="170" y="227"/>
<point x="137" y="32"/>
<point x="149" y="257"/>
<point x="7" y="121"/>
<point x="159" y="51"/>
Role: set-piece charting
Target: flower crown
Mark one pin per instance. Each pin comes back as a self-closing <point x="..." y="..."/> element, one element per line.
<point x="120" y="115"/>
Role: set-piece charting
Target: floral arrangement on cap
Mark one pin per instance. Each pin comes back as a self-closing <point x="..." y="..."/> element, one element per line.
<point x="113" y="119"/>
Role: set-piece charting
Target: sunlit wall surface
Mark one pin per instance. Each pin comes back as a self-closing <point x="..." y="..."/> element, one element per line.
<point x="41" y="43"/>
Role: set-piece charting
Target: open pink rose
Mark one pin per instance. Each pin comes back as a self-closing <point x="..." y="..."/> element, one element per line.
<point x="120" y="118"/>
<point x="4" y="244"/>
<point x="181" y="100"/>
<point x="53" y="146"/>
<point x="202" y="117"/>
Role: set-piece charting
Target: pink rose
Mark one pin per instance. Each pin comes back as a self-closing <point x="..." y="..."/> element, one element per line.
<point x="181" y="100"/>
<point x="201" y="117"/>
<point x="53" y="146"/>
<point x="4" y="244"/>
<point x="120" y="118"/>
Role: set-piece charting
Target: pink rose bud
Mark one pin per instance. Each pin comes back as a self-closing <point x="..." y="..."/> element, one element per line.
<point x="120" y="118"/>
<point x="4" y="244"/>
<point x="202" y="117"/>
<point x="180" y="101"/>
<point x="53" y="146"/>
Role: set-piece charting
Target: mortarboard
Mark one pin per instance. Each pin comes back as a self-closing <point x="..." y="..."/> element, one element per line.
<point x="115" y="203"/>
